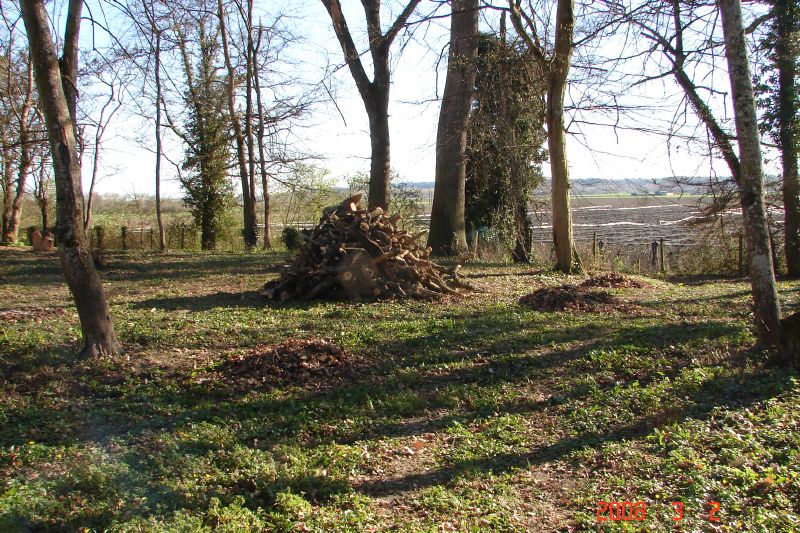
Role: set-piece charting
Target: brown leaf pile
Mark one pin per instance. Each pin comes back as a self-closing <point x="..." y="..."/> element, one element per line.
<point x="34" y="314"/>
<point x="616" y="280"/>
<point x="569" y="298"/>
<point x="290" y="361"/>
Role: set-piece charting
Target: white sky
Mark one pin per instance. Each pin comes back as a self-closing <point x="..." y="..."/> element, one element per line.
<point x="600" y="153"/>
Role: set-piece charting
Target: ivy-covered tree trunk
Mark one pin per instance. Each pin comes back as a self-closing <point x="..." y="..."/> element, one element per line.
<point x="447" y="231"/>
<point x="766" y="307"/>
<point x="58" y="99"/>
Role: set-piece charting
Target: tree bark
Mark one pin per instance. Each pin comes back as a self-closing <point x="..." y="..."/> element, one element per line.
<point x="8" y="190"/>
<point x="249" y="232"/>
<point x="556" y="136"/>
<point x="159" y="146"/>
<point x="447" y="230"/>
<point x="766" y="306"/>
<point x="58" y="98"/>
<point x="262" y="156"/>
<point x="248" y="113"/>
<point x="375" y="93"/>
<point x="380" y="166"/>
<point x="40" y="195"/>
<point x="786" y="57"/>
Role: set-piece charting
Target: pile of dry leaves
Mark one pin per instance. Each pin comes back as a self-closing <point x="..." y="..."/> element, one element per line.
<point x="585" y="297"/>
<point x="616" y="280"/>
<point x="568" y="298"/>
<point x="291" y="361"/>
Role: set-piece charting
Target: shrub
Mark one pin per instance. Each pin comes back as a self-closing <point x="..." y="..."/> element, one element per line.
<point x="291" y="238"/>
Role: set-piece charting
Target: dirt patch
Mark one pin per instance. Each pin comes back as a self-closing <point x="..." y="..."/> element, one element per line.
<point x="33" y="314"/>
<point x="293" y="361"/>
<point x="574" y="298"/>
<point x="616" y="280"/>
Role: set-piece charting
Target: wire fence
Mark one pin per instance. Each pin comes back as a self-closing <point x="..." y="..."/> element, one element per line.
<point x="715" y="254"/>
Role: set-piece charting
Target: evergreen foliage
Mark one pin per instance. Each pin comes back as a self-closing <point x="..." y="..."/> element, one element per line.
<point x="766" y="79"/>
<point x="207" y="156"/>
<point x="504" y="147"/>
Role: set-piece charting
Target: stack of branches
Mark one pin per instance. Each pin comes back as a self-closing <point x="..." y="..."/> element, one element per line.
<point x="354" y="254"/>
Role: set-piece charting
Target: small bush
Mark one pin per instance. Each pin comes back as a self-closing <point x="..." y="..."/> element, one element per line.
<point x="291" y="238"/>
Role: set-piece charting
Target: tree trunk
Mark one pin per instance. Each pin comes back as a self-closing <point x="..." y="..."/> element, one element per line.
<point x="248" y="113"/>
<point x="87" y="218"/>
<point x="786" y="56"/>
<point x="12" y="231"/>
<point x="262" y="156"/>
<point x="58" y="99"/>
<point x="43" y="205"/>
<point x="523" y="233"/>
<point x="765" y="296"/>
<point x="159" y="147"/>
<point x="556" y="136"/>
<point x="8" y="191"/>
<point x="249" y="232"/>
<point x="447" y="230"/>
<point x="380" y="163"/>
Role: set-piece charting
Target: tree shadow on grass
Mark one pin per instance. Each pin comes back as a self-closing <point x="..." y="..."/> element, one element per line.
<point x="147" y="267"/>
<point x="492" y="366"/>
<point x="495" y="351"/>
<point x="204" y="302"/>
<point x="26" y="268"/>
<point x="721" y="392"/>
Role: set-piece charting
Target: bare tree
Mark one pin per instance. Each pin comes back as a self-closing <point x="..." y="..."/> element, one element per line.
<point x="447" y="230"/>
<point x="375" y="92"/>
<point x="665" y="26"/>
<point x="42" y="190"/>
<point x="21" y="131"/>
<point x="109" y="108"/>
<point x="556" y="64"/>
<point x="247" y="179"/>
<point x="57" y="86"/>
<point x="260" y="135"/>
<point x="766" y="307"/>
<point x="155" y="44"/>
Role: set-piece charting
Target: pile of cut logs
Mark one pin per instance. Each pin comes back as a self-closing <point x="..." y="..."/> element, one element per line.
<point x="355" y="254"/>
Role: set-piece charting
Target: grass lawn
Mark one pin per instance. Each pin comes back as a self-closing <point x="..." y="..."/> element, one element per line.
<point x="466" y="414"/>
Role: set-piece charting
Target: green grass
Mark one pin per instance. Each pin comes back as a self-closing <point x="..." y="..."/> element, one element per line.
<point x="469" y="414"/>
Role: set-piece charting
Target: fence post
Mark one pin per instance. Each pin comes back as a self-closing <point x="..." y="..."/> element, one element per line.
<point x="183" y="235"/>
<point x="661" y="256"/>
<point x="124" y="235"/>
<point x="653" y="254"/>
<point x="741" y="255"/>
<point x="152" y="241"/>
<point x="594" y="248"/>
<point x="98" y="239"/>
